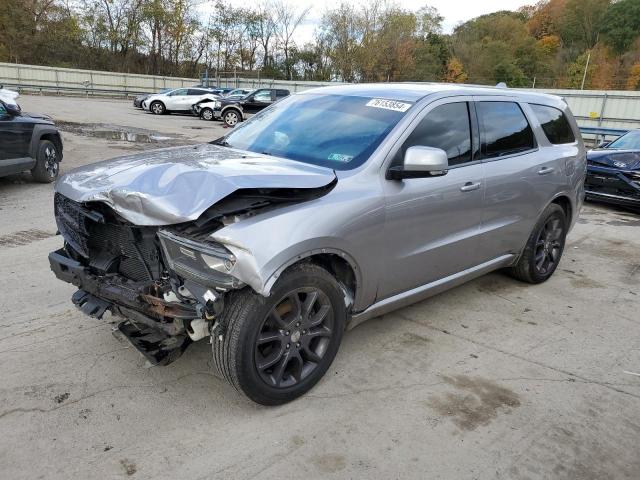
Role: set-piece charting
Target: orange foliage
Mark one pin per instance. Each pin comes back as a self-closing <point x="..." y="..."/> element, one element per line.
<point x="455" y="71"/>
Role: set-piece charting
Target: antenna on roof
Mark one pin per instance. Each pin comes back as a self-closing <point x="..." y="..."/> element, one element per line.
<point x="501" y="85"/>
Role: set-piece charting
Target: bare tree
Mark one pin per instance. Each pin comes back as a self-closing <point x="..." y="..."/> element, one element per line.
<point x="287" y="20"/>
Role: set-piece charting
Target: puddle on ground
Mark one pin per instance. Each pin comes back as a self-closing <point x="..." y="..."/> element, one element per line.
<point x="118" y="133"/>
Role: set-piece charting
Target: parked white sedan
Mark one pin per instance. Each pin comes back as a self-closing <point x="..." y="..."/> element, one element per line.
<point x="179" y="100"/>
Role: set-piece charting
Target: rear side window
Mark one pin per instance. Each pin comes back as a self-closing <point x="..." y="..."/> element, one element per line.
<point x="282" y="93"/>
<point x="504" y="129"/>
<point x="446" y="127"/>
<point x="554" y="123"/>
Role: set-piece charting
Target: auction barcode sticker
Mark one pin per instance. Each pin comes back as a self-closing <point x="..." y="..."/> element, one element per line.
<point x="388" y="104"/>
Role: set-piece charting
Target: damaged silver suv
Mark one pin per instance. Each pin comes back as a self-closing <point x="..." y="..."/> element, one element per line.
<point x="326" y="209"/>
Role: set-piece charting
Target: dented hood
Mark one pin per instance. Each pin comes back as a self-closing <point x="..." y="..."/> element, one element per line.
<point x="175" y="185"/>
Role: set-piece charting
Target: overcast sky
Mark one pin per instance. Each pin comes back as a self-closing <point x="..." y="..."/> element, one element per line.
<point x="453" y="11"/>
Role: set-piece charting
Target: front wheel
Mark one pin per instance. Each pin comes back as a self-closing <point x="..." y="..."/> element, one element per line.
<point x="544" y="247"/>
<point x="47" y="163"/>
<point x="275" y="349"/>
<point x="157" y="108"/>
<point x="206" y="114"/>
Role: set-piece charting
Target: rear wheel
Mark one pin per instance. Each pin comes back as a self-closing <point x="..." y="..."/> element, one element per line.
<point x="157" y="108"/>
<point x="231" y="118"/>
<point x="206" y="114"/>
<point x="47" y="162"/>
<point x="275" y="349"/>
<point x="544" y="247"/>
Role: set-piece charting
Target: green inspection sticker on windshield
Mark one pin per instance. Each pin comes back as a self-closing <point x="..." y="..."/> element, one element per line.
<point x="339" y="157"/>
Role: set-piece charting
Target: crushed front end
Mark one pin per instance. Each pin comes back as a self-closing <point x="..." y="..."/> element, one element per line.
<point x="166" y="288"/>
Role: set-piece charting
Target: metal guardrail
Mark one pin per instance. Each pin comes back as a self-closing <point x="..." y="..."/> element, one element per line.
<point x="87" y="90"/>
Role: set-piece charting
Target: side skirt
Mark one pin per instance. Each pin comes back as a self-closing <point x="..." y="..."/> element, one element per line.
<point x="429" y="290"/>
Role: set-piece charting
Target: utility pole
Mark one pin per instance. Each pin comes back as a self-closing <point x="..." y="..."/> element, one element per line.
<point x="586" y="67"/>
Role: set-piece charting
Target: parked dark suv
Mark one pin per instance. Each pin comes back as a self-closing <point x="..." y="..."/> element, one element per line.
<point x="28" y="142"/>
<point x="232" y="111"/>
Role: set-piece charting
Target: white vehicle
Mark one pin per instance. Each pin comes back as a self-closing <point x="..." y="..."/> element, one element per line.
<point x="179" y="100"/>
<point x="8" y="96"/>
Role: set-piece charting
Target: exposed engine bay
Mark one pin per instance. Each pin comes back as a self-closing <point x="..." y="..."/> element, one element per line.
<point x="167" y="283"/>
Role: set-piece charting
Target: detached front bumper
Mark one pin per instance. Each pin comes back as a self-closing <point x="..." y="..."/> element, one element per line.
<point x="612" y="185"/>
<point x="155" y="327"/>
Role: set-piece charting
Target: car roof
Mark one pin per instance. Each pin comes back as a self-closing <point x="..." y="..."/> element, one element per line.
<point x="412" y="92"/>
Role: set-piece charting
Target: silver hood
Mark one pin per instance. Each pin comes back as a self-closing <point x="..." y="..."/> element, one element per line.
<point x="175" y="185"/>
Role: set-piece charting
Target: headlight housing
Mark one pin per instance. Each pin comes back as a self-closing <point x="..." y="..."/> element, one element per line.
<point x="205" y="263"/>
<point x="217" y="104"/>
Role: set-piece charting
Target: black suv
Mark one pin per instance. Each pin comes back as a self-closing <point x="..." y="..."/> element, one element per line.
<point x="28" y="142"/>
<point x="232" y="111"/>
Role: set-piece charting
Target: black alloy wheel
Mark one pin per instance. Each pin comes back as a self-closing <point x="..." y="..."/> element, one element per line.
<point x="294" y="337"/>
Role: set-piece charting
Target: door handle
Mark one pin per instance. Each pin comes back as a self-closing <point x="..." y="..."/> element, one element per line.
<point x="545" y="170"/>
<point x="470" y="186"/>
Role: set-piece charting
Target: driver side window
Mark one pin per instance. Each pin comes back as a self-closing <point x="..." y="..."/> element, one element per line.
<point x="3" y="111"/>
<point x="178" y="93"/>
<point x="263" y="97"/>
<point x="447" y="127"/>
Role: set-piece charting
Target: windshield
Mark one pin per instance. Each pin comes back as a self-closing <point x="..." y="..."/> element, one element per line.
<point x="629" y="141"/>
<point x="335" y="131"/>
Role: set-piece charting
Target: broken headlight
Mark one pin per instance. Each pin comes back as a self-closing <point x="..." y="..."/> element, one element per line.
<point x="206" y="263"/>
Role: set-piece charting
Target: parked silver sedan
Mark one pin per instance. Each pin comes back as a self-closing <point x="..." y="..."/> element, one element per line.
<point x="328" y="208"/>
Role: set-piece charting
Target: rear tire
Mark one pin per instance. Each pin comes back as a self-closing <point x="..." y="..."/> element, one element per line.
<point x="157" y="108"/>
<point x="544" y="248"/>
<point x="47" y="162"/>
<point x="276" y="348"/>
<point x="232" y="117"/>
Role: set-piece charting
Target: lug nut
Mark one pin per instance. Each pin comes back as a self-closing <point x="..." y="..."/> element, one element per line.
<point x="298" y="324"/>
<point x="288" y="332"/>
<point x="298" y="345"/>
<point x="288" y="345"/>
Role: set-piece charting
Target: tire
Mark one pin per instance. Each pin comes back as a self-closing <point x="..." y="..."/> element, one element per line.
<point x="47" y="162"/>
<point x="544" y="248"/>
<point x="232" y="117"/>
<point x="270" y="354"/>
<point x="206" y="114"/>
<point x="157" y="108"/>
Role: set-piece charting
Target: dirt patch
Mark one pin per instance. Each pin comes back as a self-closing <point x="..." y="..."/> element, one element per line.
<point x="24" y="237"/>
<point x="477" y="401"/>
<point x="330" y="463"/>
<point x="128" y="466"/>
<point x="62" y="397"/>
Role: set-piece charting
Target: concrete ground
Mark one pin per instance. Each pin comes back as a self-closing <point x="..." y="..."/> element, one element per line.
<point x="495" y="379"/>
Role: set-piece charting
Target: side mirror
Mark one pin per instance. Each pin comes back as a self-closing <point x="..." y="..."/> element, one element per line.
<point x="603" y="144"/>
<point x="420" y="162"/>
<point x="13" y="109"/>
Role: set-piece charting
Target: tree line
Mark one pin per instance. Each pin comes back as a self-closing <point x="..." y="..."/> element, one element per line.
<point x="551" y="43"/>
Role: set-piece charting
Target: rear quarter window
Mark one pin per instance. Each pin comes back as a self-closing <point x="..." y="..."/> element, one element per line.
<point x="554" y="124"/>
<point x="504" y="129"/>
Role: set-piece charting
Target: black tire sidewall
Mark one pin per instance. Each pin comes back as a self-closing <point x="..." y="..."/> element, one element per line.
<point x="250" y="381"/>
<point x="551" y="211"/>
<point x="40" y="172"/>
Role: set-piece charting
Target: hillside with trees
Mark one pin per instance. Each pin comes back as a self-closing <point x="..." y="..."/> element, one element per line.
<point x="548" y="44"/>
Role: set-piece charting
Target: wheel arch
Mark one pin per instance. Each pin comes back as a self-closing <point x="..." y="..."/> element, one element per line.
<point x="232" y="107"/>
<point x="337" y="262"/>
<point x="565" y="203"/>
<point x="44" y="132"/>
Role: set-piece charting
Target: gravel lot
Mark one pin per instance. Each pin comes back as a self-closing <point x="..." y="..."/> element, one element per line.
<point x="495" y="379"/>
